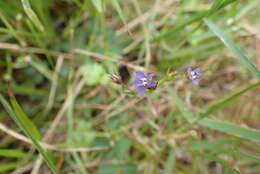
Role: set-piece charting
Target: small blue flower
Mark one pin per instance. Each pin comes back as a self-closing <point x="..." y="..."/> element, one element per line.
<point x="143" y="82"/>
<point x="194" y="75"/>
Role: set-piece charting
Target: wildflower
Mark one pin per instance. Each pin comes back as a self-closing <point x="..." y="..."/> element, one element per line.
<point x="143" y="82"/>
<point x="194" y="75"/>
<point x="116" y="78"/>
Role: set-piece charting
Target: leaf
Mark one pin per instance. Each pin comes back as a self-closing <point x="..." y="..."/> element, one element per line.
<point x="223" y="102"/>
<point x="82" y="133"/>
<point x="218" y="160"/>
<point x="169" y="165"/>
<point x="242" y="155"/>
<point x="14" y="153"/>
<point x="232" y="129"/>
<point x="98" y="5"/>
<point x="211" y="145"/>
<point x="108" y="169"/>
<point x="229" y="128"/>
<point x="47" y="158"/>
<point x="218" y="4"/>
<point x="23" y="119"/>
<point x="116" y="5"/>
<point x="94" y="73"/>
<point x="180" y="105"/>
<point x="122" y="147"/>
<point x="130" y="168"/>
<point x="31" y="14"/>
<point x="8" y="166"/>
<point x="231" y="45"/>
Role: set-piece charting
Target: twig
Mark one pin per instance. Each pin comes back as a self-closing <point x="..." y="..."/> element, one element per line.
<point x="46" y="145"/>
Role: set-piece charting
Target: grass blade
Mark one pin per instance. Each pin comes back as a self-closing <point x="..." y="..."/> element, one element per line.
<point x="170" y="163"/>
<point x="24" y="120"/>
<point x="218" y="4"/>
<point x="9" y="166"/>
<point x="98" y="5"/>
<point x="231" y="45"/>
<point x="116" y="5"/>
<point x="180" y="105"/>
<point x="231" y="129"/>
<point x="221" y="161"/>
<point x="31" y="14"/>
<point x="13" y="153"/>
<point x="242" y="155"/>
<point x="26" y="128"/>
<point x="223" y="102"/>
<point x="211" y="145"/>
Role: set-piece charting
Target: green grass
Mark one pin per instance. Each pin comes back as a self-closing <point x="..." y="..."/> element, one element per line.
<point x="60" y="108"/>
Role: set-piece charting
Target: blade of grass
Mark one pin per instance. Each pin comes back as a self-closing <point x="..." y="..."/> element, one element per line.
<point x="211" y="145"/>
<point x="229" y="128"/>
<point x="188" y="116"/>
<point x="31" y="14"/>
<point x="80" y="163"/>
<point x="223" y="102"/>
<point x="24" y="120"/>
<point x="221" y="161"/>
<point x="11" y="29"/>
<point x="231" y="45"/>
<point x="13" y="153"/>
<point x="119" y="10"/>
<point x="218" y="4"/>
<point x="232" y="129"/>
<point x="169" y="165"/>
<point x="18" y="116"/>
<point x="8" y="166"/>
<point x="242" y="155"/>
<point x="98" y="4"/>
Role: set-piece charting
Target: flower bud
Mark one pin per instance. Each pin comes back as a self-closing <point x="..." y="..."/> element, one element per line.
<point x="116" y="78"/>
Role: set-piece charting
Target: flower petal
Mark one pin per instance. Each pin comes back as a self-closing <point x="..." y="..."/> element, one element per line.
<point x="139" y="75"/>
<point x="189" y="70"/>
<point x="195" y="82"/>
<point x="140" y="90"/>
<point x="137" y="83"/>
<point x="199" y="75"/>
<point x="152" y="84"/>
<point x="151" y="76"/>
<point x="197" y="70"/>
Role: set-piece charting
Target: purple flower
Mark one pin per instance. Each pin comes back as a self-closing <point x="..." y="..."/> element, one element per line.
<point x="143" y="82"/>
<point x="194" y="75"/>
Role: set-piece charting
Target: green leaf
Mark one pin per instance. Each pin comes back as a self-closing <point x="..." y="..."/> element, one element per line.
<point x="23" y="119"/>
<point x="108" y="169"/>
<point x="169" y="165"/>
<point x="229" y="128"/>
<point x="94" y="73"/>
<point x="116" y="5"/>
<point x="232" y="129"/>
<point x="14" y="153"/>
<point x="211" y="145"/>
<point x="32" y="15"/>
<point x="221" y="161"/>
<point x="180" y="105"/>
<point x="98" y="5"/>
<point x="223" y="102"/>
<point x="241" y="155"/>
<point x="8" y="166"/>
<point x="218" y="4"/>
<point x="130" y="168"/>
<point x="26" y="128"/>
<point x="231" y="45"/>
<point x="122" y="147"/>
<point x="82" y="133"/>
